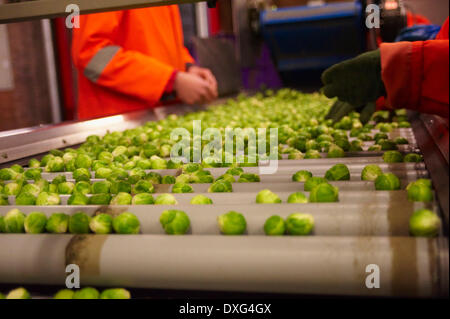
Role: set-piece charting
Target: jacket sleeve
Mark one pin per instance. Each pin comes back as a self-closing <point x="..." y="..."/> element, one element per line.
<point x="103" y="61"/>
<point x="416" y="75"/>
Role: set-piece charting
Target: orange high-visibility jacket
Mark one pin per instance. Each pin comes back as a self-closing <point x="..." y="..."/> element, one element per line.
<point x="125" y="59"/>
<point x="416" y="74"/>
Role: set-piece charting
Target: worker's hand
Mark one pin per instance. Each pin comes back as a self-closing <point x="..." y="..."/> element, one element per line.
<point x="341" y="109"/>
<point x="205" y="74"/>
<point x="192" y="89"/>
<point x="356" y="81"/>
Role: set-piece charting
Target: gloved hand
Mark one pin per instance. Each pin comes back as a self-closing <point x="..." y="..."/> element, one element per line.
<point x="356" y="81"/>
<point x="341" y="109"/>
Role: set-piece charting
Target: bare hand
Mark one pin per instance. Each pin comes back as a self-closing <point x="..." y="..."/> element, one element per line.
<point x="192" y="89"/>
<point x="205" y="74"/>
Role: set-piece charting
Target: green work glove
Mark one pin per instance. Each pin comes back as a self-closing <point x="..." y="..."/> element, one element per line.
<point x="341" y="109"/>
<point x="356" y="81"/>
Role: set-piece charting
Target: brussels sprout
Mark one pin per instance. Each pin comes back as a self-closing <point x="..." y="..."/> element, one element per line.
<point x="248" y="178"/>
<point x="7" y="174"/>
<point x="174" y="164"/>
<point x="299" y="224"/>
<point x="235" y="171"/>
<point x="35" y="223"/>
<point x="227" y="177"/>
<point x="275" y="226"/>
<point x="184" y="178"/>
<point x="18" y="293"/>
<point x="105" y="157"/>
<point x="52" y="188"/>
<point x="338" y="172"/>
<point x="158" y="162"/>
<point x="424" y="223"/>
<point x="119" y="150"/>
<point x="118" y="174"/>
<point x="413" y="158"/>
<point x="418" y="192"/>
<point x="55" y="164"/>
<point x="83" y="161"/>
<point x="165" y="199"/>
<point x="374" y="148"/>
<point x="182" y="188"/>
<point x="129" y="165"/>
<point x="371" y="172"/>
<point x="356" y="146"/>
<point x="34" y="163"/>
<point x="297" y="198"/>
<point x="78" y="199"/>
<point x="301" y="176"/>
<point x="121" y="186"/>
<point x="101" y="224"/>
<point x="48" y="199"/>
<point x="387" y="182"/>
<point x="401" y="141"/>
<point x="82" y="187"/>
<point x="31" y="189"/>
<point x="312" y="145"/>
<point x="201" y="200"/>
<point x="421" y="181"/>
<point x="136" y="174"/>
<point x="79" y="223"/>
<point x="66" y="188"/>
<point x="59" y="179"/>
<point x="14" y="221"/>
<point x="101" y="187"/>
<point x="143" y="186"/>
<point x="64" y="294"/>
<point x="296" y="155"/>
<point x="121" y="199"/>
<point x="93" y="139"/>
<point x="343" y="143"/>
<point x="312" y="182"/>
<point x="174" y="222"/>
<point x="45" y="159"/>
<point x="335" y="151"/>
<point x="115" y="293"/>
<point x="143" y="199"/>
<point x="144" y="164"/>
<point x="312" y="154"/>
<point x="220" y="186"/>
<point x="33" y="173"/>
<point x="12" y="189"/>
<point x="387" y="145"/>
<point x="404" y="124"/>
<point x="267" y="197"/>
<point x="103" y="172"/>
<point x="232" y="223"/>
<point x="168" y="179"/>
<point x="392" y="157"/>
<point x="81" y="174"/>
<point x="25" y="198"/>
<point x="191" y="167"/>
<point x="202" y="176"/>
<point x="86" y="293"/>
<point x="100" y="199"/>
<point x="324" y="193"/>
<point x="57" y="223"/>
<point x="153" y="178"/>
<point x="126" y="223"/>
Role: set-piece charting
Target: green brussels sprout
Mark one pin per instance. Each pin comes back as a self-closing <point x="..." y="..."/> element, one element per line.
<point x="143" y="199"/>
<point x="52" y="188"/>
<point x="83" y="161"/>
<point x="119" y="150"/>
<point x="7" y="174"/>
<point x="158" y="162"/>
<point x="413" y="158"/>
<point x="202" y="176"/>
<point x="374" y="148"/>
<point x="35" y="223"/>
<point x="227" y="177"/>
<point x="335" y="151"/>
<point x="126" y="223"/>
<point x="324" y="138"/>
<point x="78" y="199"/>
<point x="392" y="157"/>
<point x="401" y="141"/>
<point x="380" y="136"/>
<point x="25" y="198"/>
<point x="267" y="197"/>
<point x="118" y="174"/>
<point x="105" y="157"/>
<point x="101" y="187"/>
<point x="338" y="172"/>
<point x="421" y="181"/>
<point x="274" y="226"/>
<point x="81" y="174"/>
<point x="165" y="199"/>
<point x="101" y="224"/>
<point x="136" y="174"/>
<point x="174" y="164"/>
<point x="299" y="224"/>
<point x="232" y="223"/>
<point x="96" y="164"/>
<point x="59" y="179"/>
<point x="48" y="199"/>
<point x="45" y="159"/>
<point x="100" y="199"/>
<point x="129" y="165"/>
<point x="235" y="171"/>
<point x="387" y="182"/>
<point x="312" y="182"/>
<point x="115" y="293"/>
<point x="57" y="223"/>
<point x="121" y="186"/>
<point x="82" y="187"/>
<point x="14" y="221"/>
<point x="201" y="200"/>
<point x="221" y="186"/>
<point x="93" y="139"/>
<point x="66" y="188"/>
<point x="121" y="198"/>
<point x="343" y="143"/>
<point x="143" y="186"/>
<point x="55" y="164"/>
<point x="18" y="293"/>
<point x="310" y="154"/>
<point x="312" y="145"/>
<point x="324" y="193"/>
<point x="296" y="155"/>
<point x="184" y="178"/>
<point x="4" y="200"/>
<point x="191" y="167"/>
<point x="168" y="179"/>
<point x="182" y="188"/>
<point x="418" y="192"/>
<point x="79" y="223"/>
<point x="248" y="178"/>
<point x="301" y="176"/>
<point x="297" y="198"/>
<point x="371" y="172"/>
<point x="387" y="145"/>
<point x="356" y="146"/>
<point x="153" y="178"/>
<point x="34" y="163"/>
<point x="86" y="293"/>
<point x="103" y="172"/>
<point x="424" y="223"/>
<point x="149" y="150"/>
<point x="404" y="124"/>
<point x="174" y="222"/>
<point x="64" y="294"/>
<point x="12" y="189"/>
<point x="144" y="164"/>
<point x="33" y="173"/>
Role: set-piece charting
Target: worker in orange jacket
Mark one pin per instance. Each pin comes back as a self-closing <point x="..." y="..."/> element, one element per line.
<point x="129" y="60"/>
<point x="412" y="75"/>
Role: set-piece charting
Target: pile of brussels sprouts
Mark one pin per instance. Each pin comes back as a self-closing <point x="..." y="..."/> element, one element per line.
<point x="84" y="293"/>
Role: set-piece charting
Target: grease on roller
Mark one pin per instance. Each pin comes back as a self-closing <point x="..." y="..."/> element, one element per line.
<point x="85" y="251"/>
